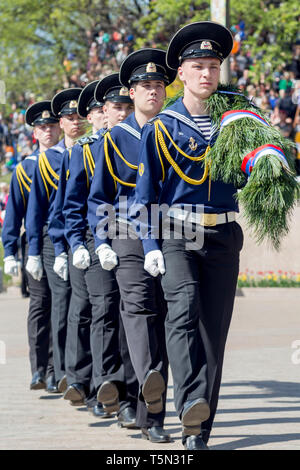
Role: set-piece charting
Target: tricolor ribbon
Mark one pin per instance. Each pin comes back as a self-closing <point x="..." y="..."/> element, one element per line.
<point x="251" y="158"/>
<point x="230" y="116"/>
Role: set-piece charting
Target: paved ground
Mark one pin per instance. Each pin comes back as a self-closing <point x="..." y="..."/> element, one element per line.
<point x="259" y="405"/>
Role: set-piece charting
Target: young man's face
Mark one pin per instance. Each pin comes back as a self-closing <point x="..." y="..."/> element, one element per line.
<point x="72" y="125"/>
<point x="116" y="112"/>
<point x="97" y="118"/>
<point x="47" y="134"/>
<point x="148" y="96"/>
<point x="200" y="75"/>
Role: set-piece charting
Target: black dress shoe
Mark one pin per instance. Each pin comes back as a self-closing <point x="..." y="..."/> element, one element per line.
<point x="38" y="381"/>
<point x="76" y="394"/>
<point x="194" y="443"/>
<point x="62" y="384"/>
<point x="51" y="386"/>
<point x="194" y="413"/>
<point x="127" y="418"/>
<point x="152" y="390"/>
<point x="98" y="411"/>
<point x="108" y="395"/>
<point x="155" y="434"/>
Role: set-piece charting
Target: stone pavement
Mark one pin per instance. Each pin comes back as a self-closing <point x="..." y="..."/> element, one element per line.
<point x="259" y="406"/>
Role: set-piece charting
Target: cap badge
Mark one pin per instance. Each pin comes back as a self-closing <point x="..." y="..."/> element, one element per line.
<point x="73" y="104"/>
<point x="124" y="91"/>
<point x="193" y="144"/>
<point x="45" y="114"/>
<point x="206" y="45"/>
<point x="151" y="67"/>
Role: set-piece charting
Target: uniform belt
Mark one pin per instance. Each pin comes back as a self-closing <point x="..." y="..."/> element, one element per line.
<point x="205" y="219"/>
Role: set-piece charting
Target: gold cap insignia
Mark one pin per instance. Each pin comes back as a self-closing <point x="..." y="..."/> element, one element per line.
<point x="45" y="114"/>
<point x="141" y="169"/>
<point x="151" y="67"/>
<point x="73" y="104"/>
<point x="124" y="91"/>
<point x="193" y="144"/>
<point x="206" y="45"/>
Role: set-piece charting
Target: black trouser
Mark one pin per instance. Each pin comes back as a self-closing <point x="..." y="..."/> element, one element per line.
<point x="60" y="296"/>
<point x="199" y="286"/>
<point x="105" y="340"/>
<point x="79" y="358"/>
<point x="143" y="312"/>
<point x="39" y="324"/>
<point x="78" y="350"/>
<point x="24" y="278"/>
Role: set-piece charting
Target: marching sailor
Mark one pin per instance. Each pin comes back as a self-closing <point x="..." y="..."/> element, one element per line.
<point x="40" y="206"/>
<point x="143" y="308"/>
<point x="192" y="161"/>
<point x="99" y="284"/>
<point x="46" y="131"/>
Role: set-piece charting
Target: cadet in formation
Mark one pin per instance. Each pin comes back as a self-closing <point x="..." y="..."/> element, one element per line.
<point x="143" y="308"/>
<point x="40" y="206"/>
<point x="46" y="131"/>
<point x="98" y="332"/>
<point x="180" y="169"/>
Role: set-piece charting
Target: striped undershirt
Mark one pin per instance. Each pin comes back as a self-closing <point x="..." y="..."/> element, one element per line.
<point x="204" y="124"/>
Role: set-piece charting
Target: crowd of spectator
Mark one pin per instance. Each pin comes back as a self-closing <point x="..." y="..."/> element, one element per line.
<point x="106" y="52"/>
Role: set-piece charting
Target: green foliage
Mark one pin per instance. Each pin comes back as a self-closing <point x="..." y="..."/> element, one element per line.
<point x="36" y="36"/>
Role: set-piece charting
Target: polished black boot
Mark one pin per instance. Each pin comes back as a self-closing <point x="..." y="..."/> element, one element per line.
<point x="155" y="434"/>
<point x="38" y="381"/>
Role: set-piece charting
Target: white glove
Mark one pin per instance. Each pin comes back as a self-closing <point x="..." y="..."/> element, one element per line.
<point x="35" y="267"/>
<point x="107" y="257"/>
<point x="81" y="258"/>
<point x="11" y="266"/>
<point x="60" y="266"/>
<point x="154" y="263"/>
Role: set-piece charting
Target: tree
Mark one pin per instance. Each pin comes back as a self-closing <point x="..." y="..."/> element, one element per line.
<point x="37" y="35"/>
<point x="273" y="27"/>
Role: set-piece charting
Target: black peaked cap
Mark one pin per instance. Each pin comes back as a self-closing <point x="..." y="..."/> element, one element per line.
<point x="86" y="100"/>
<point x="146" y="64"/>
<point x="40" y="113"/>
<point x="199" y="39"/>
<point x="110" y="89"/>
<point x="66" y="101"/>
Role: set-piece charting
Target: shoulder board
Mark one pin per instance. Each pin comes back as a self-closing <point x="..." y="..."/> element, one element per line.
<point x="87" y="140"/>
<point x="31" y="157"/>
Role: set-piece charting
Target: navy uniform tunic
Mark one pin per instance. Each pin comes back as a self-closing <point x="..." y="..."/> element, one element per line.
<point x="38" y="322"/>
<point x="158" y="182"/>
<point x="17" y="203"/>
<point x="142" y="306"/>
<point x="41" y="201"/>
<point x="40" y="208"/>
<point x="199" y="283"/>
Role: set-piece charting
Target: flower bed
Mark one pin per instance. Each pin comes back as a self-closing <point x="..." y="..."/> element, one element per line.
<point x="268" y="279"/>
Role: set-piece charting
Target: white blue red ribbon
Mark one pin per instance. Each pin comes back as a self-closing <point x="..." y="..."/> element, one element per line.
<point x="231" y="116"/>
<point x="251" y="158"/>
